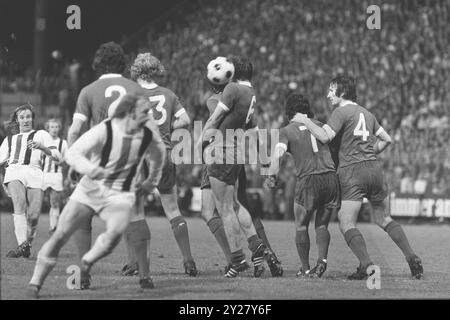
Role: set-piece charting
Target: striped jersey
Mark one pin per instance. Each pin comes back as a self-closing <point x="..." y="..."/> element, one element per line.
<point x="15" y="152"/>
<point x="106" y="145"/>
<point x="48" y="164"/>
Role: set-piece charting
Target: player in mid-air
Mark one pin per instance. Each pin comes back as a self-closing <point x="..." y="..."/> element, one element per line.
<point x="108" y="155"/>
<point x="317" y="189"/>
<point x="95" y="103"/>
<point x="53" y="173"/>
<point x="209" y="211"/>
<point x="233" y="112"/>
<point x="360" y="138"/>
<point x="22" y="151"/>
<point x="169" y="115"/>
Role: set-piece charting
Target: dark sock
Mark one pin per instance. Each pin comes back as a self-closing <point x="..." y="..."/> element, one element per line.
<point x="357" y="244"/>
<point x="129" y="246"/>
<point x="323" y="242"/>
<point x="216" y="227"/>
<point x="395" y="231"/>
<point x="237" y="256"/>
<point x="142" y="259"/>
<point x="261" y="232"/>
<point x="180" y="231"/>
<point x="303" y="244"/>
<point x="254" y="242"/>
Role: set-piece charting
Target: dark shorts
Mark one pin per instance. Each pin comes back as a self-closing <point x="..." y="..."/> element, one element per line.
<point x="169" y="175"/>
<point x="318" y="190"/>
<point x="363" y="180"/>
<point x="227" y="173"/>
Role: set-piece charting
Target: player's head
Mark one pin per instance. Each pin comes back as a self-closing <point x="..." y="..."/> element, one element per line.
<point x="22" y="119"/>
<point x="53" y="126"/>
<point x="146" y="67"/>
<point x="109" y="58"/>
<point x="243" y="68"/>
<point x="136" y="108"/>
<point x="342" y="87"/>
<point x="297" y="103"/>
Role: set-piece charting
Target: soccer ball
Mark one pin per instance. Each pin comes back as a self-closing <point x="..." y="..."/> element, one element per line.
<point x="220" y="71"/>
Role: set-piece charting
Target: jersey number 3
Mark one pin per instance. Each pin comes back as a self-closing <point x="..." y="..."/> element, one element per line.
<point x="108" y="94"/>
<point x="160" y="99"/>
<point x="361" y="129"/>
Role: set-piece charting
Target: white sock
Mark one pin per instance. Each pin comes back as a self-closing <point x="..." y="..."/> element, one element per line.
<point x="54" y="214"/>
<point x="20" y="227"/>
<point x="44" y="265"/>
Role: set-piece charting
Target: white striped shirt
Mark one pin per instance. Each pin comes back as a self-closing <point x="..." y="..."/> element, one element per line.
<point x="19" y="154"/>
<point x="49" y="165"/>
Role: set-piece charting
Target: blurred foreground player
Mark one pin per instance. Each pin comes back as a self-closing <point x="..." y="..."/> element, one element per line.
<point x="360" y="138"/>
<point x="108" y="155"/>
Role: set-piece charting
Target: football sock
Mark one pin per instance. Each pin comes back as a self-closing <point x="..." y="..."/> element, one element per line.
<point x="254" y="242"/>
<point x="180" y="231"/>
<point x="237" y="256"/>
<point x="395" y="231"/>
<point x="83" y="239"/>
<point x="303" y="244"/>
<point x="261" y="232"/>
<point x="20" y="227"/>
<point x="129" y="246"/>
<point x="44" y="265"/>
<point x="101" y="248"/>
<point x="357" y="244"/>
<point x="54" y="214"/>
<point x="139" y="239"/>
<point x="140" y="248"/>
<point x="32" y="228"/>
<point x="323" y="242"/>
<point x="215" y="224"/>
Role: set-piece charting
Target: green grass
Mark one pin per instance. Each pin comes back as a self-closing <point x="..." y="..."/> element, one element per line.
<point x="430" y="242"/>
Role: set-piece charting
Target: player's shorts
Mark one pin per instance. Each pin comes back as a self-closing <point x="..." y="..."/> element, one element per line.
<point x="29" y="176"/>
<point x="363" y="180"/>
<point x="53" y="180"/>
<point x="97" y="196"/>
<point x="227" y="173"/>
<point x="317" y="190"/>
<point x="169" y="175"/>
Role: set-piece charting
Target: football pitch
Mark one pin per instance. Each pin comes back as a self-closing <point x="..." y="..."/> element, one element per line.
<point x="431" y="242"/>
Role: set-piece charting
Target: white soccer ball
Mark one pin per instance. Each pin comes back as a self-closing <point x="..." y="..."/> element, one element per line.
<point x="220" y="71"/>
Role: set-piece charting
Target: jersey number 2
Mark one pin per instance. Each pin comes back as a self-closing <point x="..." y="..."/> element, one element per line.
<point x="361" y="129"/>
<point x="161" y="99"/>
<point x="108" y="94"/>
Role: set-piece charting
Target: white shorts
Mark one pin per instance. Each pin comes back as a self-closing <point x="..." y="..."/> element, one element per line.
<point x="31" y="177"/>
<point x="53" y="180"/>
<point x="98" y="196"/>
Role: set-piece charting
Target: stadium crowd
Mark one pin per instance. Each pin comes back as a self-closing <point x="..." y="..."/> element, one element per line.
<point x="402" y="70"/>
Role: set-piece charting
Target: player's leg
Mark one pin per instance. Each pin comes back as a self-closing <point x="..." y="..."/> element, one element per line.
<point x="71" y="218"/>
<point x="302" y="242"/>
<point x="34" y="197"/>
<point x="55" y="201"/>
<point x="214" y="222"/>
<point x="382" y="217"/>
<point x="83" y="236"/>
<point x="17" y="192"/>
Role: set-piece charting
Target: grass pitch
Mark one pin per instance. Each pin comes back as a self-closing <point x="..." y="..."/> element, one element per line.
<point x="431" y="242"/>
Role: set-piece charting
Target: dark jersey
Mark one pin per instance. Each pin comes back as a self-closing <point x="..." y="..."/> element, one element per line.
<point x="310" y="155"/>
<point x="356" y="130"/>
<point x="165" y="106"/>
<point x="98" y="100"/>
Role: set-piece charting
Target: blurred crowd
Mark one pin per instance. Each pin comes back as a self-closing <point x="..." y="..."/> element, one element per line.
<point x="402" y="72"/>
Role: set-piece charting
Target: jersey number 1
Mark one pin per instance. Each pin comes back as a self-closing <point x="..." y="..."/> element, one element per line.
<point x="313" y="139"/>
<point x="361" y="129"/>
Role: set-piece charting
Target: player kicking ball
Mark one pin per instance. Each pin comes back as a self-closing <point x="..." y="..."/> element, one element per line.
<point x="169" y="115"/>
<point x="360" y="138"/>
<point x="108" y="156"/>
<point x="317" y="189"/>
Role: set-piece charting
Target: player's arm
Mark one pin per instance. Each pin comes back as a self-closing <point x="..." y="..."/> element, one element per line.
<point x="76" y="155"/>
<point x="324" y="134"/>
<point x="214" y="121"/>
<point x="80" y="116"/>
<point x="44" y="143"/>
<point x="4" y="154"/>
<point x="280" y="149"/>
<point x="384" y="140"/>
<point x="182" y="119"/>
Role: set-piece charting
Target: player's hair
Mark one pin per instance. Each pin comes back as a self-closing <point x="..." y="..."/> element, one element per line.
<point x="346" y="85"/>
<point x="47" y="123"/>
<point x="109" y="58"/>
<point x="297" y="103"/>
<point x="217" y="88"/>
<point x="13" y="124"/>
<point x="127" y="105"/>
<point x="243" y="68"/>
<point x="146" y="67"/>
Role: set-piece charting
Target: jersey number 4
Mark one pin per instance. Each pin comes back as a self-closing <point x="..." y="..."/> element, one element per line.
<point x="160" y="99"/>
<point x="313" y="139"/>
<point x="361" y="129"/>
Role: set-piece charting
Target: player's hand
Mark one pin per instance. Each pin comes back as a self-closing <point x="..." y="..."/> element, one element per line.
<point x="145" y="187"/>
<point x="34" y="145"/>
<point x="271" y="182"/>
<point x="98" y="173"/>
<point x="300" y="117"/>
<point x="73" y="176"/>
